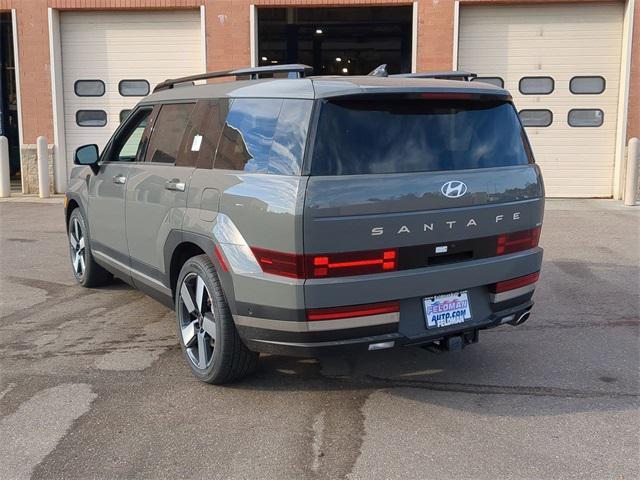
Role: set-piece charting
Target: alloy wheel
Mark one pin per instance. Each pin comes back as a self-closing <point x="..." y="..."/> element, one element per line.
<point x="77" y="245"/>
<point x="197" y="321"/>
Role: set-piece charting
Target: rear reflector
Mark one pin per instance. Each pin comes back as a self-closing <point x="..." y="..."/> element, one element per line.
<point x="337" y="313"/>
<point x="514" y="283"/>
<point x="517" y="241"/>
<point x="220" y="258"/>
<point x="279" y="263"/>
<point x="356" y="263"/>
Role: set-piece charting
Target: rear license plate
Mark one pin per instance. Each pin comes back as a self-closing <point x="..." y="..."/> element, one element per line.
<point x="447" y="309"/>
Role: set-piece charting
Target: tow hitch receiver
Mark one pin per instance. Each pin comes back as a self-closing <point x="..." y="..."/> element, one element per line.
<point x="455" y="343"/>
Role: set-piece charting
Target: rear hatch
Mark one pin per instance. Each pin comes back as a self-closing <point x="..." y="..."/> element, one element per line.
<point x="433" y="178"/>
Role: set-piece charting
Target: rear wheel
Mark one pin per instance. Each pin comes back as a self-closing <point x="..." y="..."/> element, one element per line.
<point x="86" y="271"/>
<point x="208" y="336"/>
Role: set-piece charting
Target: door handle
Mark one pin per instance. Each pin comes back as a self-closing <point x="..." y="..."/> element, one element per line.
<point x="175" y="184"/>
<point x="119" y="179"/>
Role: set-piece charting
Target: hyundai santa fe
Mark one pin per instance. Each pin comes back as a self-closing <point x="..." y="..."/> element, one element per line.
<point x="303" y="215"/>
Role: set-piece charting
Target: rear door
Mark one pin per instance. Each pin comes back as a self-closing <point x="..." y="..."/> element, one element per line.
<point x="156" y="196"/>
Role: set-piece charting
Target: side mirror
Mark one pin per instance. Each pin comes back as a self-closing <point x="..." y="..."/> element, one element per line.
<point x="87" y="155"/>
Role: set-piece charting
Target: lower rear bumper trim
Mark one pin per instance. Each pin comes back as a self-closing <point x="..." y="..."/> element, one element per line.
<point x="319" y="325"/>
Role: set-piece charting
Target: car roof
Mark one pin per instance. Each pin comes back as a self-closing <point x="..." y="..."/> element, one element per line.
<point x="322" y="87"/>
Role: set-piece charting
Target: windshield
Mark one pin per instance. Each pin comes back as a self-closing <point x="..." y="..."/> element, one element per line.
<point x="409" y="135"/>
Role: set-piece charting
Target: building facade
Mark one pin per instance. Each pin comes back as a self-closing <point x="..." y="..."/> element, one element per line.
<point x="73" y="68"/>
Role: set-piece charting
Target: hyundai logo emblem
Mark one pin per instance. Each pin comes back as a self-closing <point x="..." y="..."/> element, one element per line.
<point x="454" y="189"/>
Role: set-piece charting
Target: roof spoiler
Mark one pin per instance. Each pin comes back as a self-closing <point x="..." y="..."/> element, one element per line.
<point x="293" y="71"/>
<point x="452" y="75"/>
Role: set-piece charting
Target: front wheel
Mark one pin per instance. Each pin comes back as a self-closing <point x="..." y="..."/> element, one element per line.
<point x="85" y="269"/>
<point x="208" y="336"/>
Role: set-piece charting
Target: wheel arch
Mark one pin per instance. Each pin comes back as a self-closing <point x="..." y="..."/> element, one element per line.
<point x="180" y="246"/>
<point x="73" y="202"/>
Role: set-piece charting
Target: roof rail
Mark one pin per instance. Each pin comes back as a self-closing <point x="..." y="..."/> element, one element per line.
<point x="453" y="75"/>
<point x="298" y="71"/>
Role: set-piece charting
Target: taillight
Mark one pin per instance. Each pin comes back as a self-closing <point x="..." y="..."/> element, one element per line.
<point x="355" y="263"/>
<point x="337" y="313"/>
<point x="514" y="283"/>
<point x="517" y="241"/>
<point x="278" y="263"/>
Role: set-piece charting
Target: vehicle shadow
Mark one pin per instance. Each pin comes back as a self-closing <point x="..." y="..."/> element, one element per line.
<point x="477" y="382"/>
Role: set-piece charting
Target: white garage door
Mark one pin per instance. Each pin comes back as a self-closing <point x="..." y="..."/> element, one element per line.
<point x="111" y="59"/>
<point x="562" y="66"/>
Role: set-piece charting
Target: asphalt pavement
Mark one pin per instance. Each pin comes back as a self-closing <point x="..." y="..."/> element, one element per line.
<point x="93" y="383"/>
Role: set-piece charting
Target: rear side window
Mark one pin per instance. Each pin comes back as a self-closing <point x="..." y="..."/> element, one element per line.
<point x="203" y="132"/>
<point x="248" y="132"/>
<point x="287" y="149"/>
<point x="168" y="131"/>
<point x="400" y="136"/>
<point x="264" y="136"/>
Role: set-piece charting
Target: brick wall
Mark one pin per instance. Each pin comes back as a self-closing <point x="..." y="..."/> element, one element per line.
<point x="228" y="36"/>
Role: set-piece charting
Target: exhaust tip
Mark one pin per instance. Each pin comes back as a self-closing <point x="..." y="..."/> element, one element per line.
<point x="521" y="319"/>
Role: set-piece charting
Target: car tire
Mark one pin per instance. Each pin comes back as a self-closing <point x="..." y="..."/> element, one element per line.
<point x="208" y="336"/>
<point x="85" y="269"/>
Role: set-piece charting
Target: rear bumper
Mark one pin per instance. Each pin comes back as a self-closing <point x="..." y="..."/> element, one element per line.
<point x="286" y="331"/>
<point x="306" y="339"/>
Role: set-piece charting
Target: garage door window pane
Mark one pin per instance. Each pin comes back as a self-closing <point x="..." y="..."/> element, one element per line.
<point x="124" y="114"/>
<point x="536" y="118"/>
<point x="89" y="88"/>
<point x="497" y="81"/>
<point x="536" y="85"/>
<point x="133" y="88"/>
<point x="167" y="134"/>
<point x="585" y="117"/>
<point x="91" y="118"/>
<point x="587" y="85"/>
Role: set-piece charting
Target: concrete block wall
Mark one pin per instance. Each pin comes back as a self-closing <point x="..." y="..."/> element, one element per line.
<point x="30" y="168"/>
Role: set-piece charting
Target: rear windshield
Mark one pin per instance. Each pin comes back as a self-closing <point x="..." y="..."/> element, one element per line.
<point x="400" y="136"/>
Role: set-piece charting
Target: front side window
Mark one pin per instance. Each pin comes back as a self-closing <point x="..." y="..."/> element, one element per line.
<point x="132" y="141"/>
<point x="406" y="135"/>
<point x="168" y="131"/>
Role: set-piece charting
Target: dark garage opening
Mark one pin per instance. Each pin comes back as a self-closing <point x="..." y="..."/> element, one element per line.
<point x="337" y="41"/>
<point x="8" y="98"/>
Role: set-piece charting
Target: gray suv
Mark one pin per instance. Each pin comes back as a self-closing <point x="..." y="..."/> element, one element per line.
<point x="305" y="215"/>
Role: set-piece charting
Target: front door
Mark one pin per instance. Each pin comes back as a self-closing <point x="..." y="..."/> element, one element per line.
<point x="157" y="196"/>
<point x="108" y="187"/>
